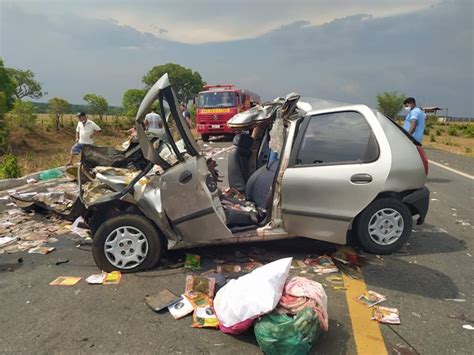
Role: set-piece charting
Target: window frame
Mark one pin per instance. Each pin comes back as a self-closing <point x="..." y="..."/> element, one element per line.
<point x="301" y="133"/>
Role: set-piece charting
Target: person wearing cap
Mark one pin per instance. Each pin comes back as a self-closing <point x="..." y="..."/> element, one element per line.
<point x="85" y="132"/>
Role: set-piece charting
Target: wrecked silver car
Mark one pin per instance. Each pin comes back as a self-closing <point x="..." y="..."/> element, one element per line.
<point x="307" y="168"/>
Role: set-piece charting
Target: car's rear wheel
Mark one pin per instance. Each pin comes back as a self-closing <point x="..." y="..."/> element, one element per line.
<point x="127" y="243"/>
<point x="205" y="137"/>
<point x="384" y="226"/>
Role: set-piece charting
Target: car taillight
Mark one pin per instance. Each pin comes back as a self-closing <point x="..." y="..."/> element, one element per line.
<point x="423" y="157"/>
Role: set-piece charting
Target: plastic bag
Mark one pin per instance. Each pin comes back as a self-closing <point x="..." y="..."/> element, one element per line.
<point x="51" y="174"/>
<point x="251" y="295"/>
<point x="282" y="334"/>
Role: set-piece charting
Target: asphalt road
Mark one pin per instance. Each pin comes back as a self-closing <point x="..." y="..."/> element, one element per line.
<point x="435" y="267"/>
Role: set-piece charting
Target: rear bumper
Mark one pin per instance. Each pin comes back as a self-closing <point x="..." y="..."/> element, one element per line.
<point x="418" y="201"/>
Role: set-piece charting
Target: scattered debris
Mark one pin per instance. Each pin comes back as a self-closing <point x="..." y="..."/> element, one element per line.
<point x="113" y="278"/>
<point x="200" y="284"/>
<point x="322" y="264"/>
<point x="192" y="262"/>
<point x="386" y="315"/>
<point x="41" y="250"/>
<point x="62" y="261"/>
<point x="96" y="279"/>
<point x="161" y="300"/>
<point x="370" y="298"/>
<point x="181" y="308"/>
<point x="468" y="327"/>
<point x="228" y="268"/>
<point x="455" y="299"/>
<point x="416" y="314"/>
<point x="204" y="316"/>
<point x="300" y="293"/>
<point x="65" y="281"/>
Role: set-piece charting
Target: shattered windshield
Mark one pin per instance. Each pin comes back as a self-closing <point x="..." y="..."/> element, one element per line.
<point x="216" y="99"/>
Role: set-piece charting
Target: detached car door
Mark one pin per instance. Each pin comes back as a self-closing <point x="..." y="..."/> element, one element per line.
<point x="338" y="165"/>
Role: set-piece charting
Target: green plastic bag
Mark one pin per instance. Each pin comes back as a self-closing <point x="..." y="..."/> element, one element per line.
<point x="51" y="174"/>
<point x="282" y="334"/>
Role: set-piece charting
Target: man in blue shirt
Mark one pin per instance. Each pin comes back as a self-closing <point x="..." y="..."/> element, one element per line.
<point x="414" y="120"/>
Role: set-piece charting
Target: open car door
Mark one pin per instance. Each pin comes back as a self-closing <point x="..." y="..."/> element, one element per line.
<point x="189" y="194"/>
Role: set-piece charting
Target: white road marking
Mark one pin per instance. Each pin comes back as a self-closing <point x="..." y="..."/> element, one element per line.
<point x="452" y="170"/>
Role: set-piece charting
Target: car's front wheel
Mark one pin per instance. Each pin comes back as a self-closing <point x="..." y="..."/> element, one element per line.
<point x="127" y="243"/>
<point x="384" y="226"/>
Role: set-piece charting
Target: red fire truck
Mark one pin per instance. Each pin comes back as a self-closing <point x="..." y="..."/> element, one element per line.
<point x="216" y="104"/>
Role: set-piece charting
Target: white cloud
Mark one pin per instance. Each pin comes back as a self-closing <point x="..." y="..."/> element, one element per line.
<point x="200" y="21"/>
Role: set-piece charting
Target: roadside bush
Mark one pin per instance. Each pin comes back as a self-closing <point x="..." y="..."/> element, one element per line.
<point x="468" y="150"/>
<point x="23" y="115"/>
<point x="431" y="120"/>
<point x="453" y="131"/>
<point x="427" y="131"/>
<point x="432" y="138"/>
<point x="9" y="168"/>
<point x="469" y="131"/>
<point x="438" y="132"/>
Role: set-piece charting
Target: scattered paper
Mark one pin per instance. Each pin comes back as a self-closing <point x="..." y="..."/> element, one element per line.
<point x="468" y="327"/>
<point x="205" y="285"/>
<point x="41" y="250"/>
<point x="370" y="298"/>
<point x="65" y="281"/>
<point x="113" y="278"/>
<point x="181" y="308"/>
<point x="386" y="315"/>
<point x="97" y="279"/>
<point x="192" y="262"/>
<point x="4" y="241"/>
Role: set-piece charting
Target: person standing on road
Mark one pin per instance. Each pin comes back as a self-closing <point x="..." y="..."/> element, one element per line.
<point x="186" y="114"/>
<point x="85" y="132"/>
<point x="153" y="121"/>
<point x="414" y="120"/>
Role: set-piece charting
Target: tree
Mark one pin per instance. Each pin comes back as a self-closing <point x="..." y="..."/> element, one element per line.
<point x="390" y="103"/>
<point x="23" y="114"/>
<point x="25" y="84"/>
<point x="57" y="108"/>
<point x="7" y="87"/>
<point x="98" y="105"/>
<point x="186" y="83"/>
<point x="131" y="101"/>
<point x="4" y="131"/>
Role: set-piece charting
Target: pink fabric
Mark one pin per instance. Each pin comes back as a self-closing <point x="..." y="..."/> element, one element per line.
<point x="300" y="293"/>
<point x="238" y="328"/>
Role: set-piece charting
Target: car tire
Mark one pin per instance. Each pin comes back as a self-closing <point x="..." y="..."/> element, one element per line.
<point x="384" y="226"/>
<point x="205" y="137"/>
<point x="126" y="243"/>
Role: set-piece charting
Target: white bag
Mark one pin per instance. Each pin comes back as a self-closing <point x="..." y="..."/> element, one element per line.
<point x="253" y="294"/>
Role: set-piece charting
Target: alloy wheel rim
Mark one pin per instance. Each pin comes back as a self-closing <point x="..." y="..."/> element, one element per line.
<point x="386" y="226"/>
<point x="126" y="247"/>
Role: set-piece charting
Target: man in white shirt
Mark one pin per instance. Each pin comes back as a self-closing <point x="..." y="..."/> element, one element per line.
<point x="154" y="124"/>
<point x="85" y="132"/>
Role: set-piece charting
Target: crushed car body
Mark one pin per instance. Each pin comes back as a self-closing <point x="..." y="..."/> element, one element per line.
<point x="308" y="168"/>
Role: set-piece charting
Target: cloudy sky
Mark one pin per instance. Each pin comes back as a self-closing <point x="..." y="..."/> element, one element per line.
<point x="334" y="49"/>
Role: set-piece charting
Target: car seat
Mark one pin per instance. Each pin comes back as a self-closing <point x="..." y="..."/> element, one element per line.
<point x="258" y="190"/>
<point x="238" y="163"/>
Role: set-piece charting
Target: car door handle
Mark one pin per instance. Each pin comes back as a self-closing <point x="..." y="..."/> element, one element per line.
<point x="361" y="178"/>
<point x="185" y="177"/>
